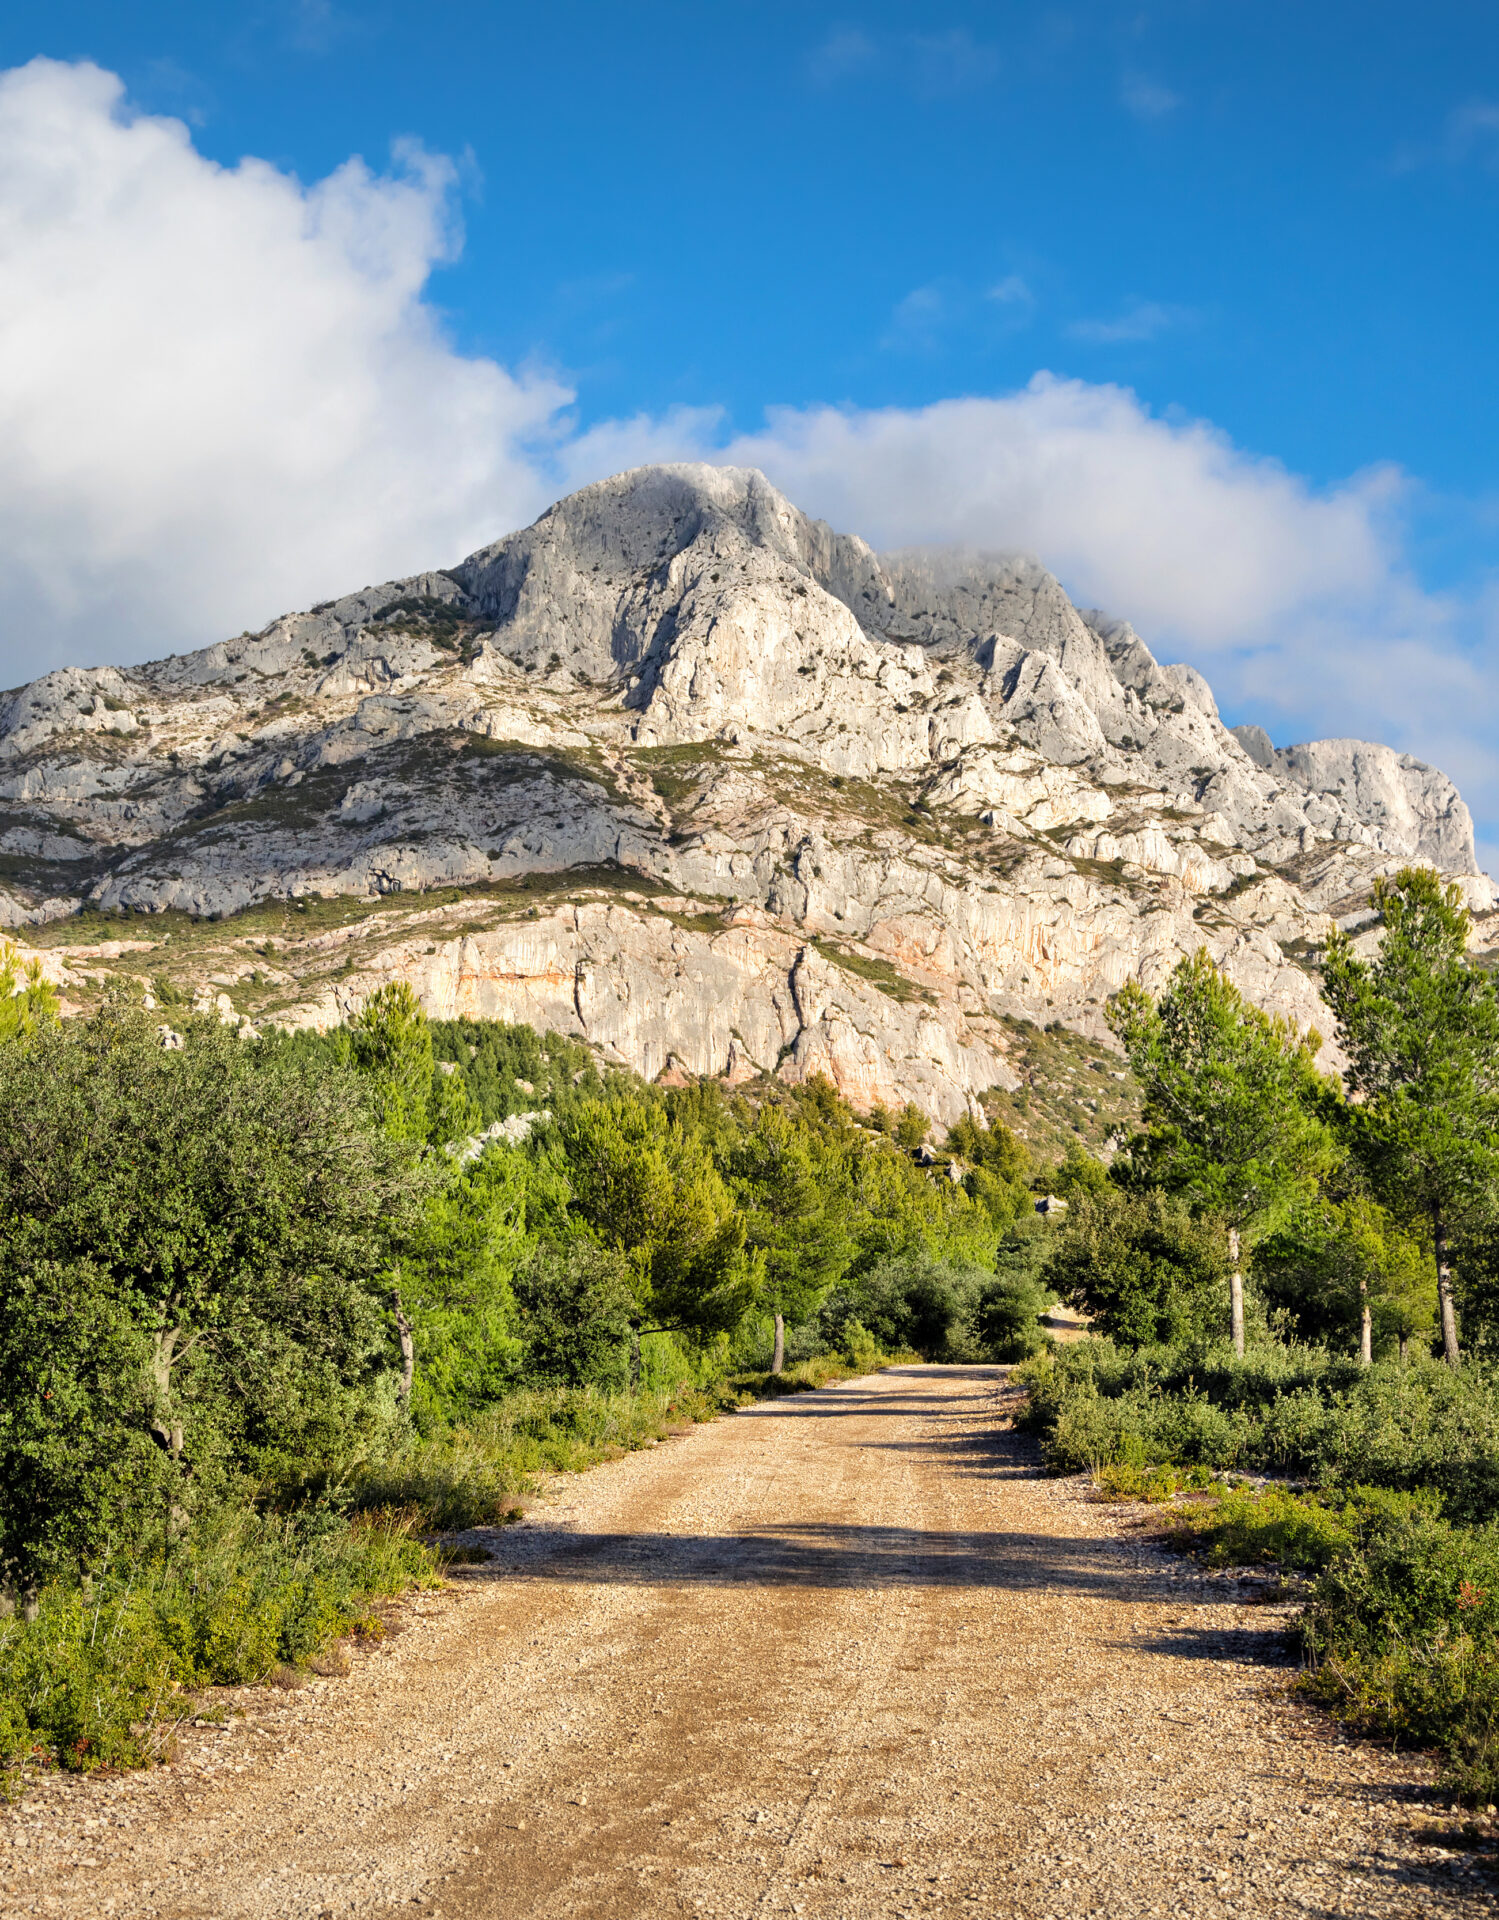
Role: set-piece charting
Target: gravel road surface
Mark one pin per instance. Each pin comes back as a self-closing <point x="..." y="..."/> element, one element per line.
<point x="847" y="1653"/>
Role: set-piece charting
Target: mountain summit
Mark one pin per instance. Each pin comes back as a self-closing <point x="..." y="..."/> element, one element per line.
<point x="685" y="771"/>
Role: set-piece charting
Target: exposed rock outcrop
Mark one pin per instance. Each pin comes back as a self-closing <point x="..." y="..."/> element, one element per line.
<point x="894" y="798"/>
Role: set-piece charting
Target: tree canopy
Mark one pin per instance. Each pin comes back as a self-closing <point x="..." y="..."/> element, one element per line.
<point x="1420" y="1026"/>
<point x="188" y="1237"/>
<point x="1235" y="1110"/>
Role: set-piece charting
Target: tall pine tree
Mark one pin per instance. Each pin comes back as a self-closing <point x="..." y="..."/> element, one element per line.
<point x="1420" y="1026"/>
<point x="1232" y="1106"/>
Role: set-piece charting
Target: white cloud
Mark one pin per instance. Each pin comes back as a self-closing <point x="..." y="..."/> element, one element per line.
<point x="1296" y="601"/>
<point x="1164" y="519"/>
<point x="1140" y="320"/>
<point x="918" y="320"/>
<point x="221" y="392"/>
<point x="844" y="51"/>
<point x="952" y="62"/>
<point x="1472" y="133"/>
<point x="1012" y="291"/>
<point x="933" y="65"/>
<point x="223" y="395"/>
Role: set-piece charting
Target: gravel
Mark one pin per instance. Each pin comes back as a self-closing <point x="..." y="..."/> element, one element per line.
<point x="848" y="1653"/>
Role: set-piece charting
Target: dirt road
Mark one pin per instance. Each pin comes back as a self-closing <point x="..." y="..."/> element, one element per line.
<point x="842" y="1654"/>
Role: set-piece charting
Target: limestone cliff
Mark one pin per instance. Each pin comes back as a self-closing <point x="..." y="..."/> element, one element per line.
<point x="686" y="772"/>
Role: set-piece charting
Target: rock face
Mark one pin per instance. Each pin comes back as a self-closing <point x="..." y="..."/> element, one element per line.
<point x="723" y="791"/>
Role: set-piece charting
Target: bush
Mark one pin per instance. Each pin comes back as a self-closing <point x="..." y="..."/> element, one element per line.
<point x="473" y="1476"/>
<point x="1142" y="1266"/>
<point x="574" y="1305"/>
<point x="947" y="1310"/>
<point x="1278" y="1409"/>
<point x="1399" y="1536"/>
<point x="1277" y="1526"/>
<point x="97" y="1678"/>
<point x="186" y="1266"/>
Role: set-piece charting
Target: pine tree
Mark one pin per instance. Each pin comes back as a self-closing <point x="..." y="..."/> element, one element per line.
<point x="794" y="1222"/>
<point x="1420" y="1027"/>
<point x="1233" y="1100"/>
<point x="27" y="1001"/>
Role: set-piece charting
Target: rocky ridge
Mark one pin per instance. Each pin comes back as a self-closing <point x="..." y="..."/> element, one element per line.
<point x="687" y="773"/>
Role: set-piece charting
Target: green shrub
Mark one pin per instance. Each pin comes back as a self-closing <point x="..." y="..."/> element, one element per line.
<point x="1142" y="1265"/>
<point x="575" y="1304"/>
<point x="100" y="1674"/>
<point x="912" y="1302"/>
<point x="1278" y="1409"/>
<point x="190" y="1237"/>
<point x="473" y="1476"/>
<point x="1398" y="1536"/>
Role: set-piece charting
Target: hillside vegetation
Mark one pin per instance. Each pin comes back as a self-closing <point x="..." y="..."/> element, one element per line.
<point x="285" y="1310"/>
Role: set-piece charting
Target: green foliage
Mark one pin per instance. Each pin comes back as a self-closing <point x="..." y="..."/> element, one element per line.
<point x="1234" y="1105"/>
<point x="920" y="1303"/>
<point x="512" y="1069"/>
<point x="1142" y="1265"/>
<point x="1278" y="1409"/>
<point x="1399" y="1538"/>
<point x="575" y="1305"/>
<point x="189" y="1236"/>
<point x="1420" y="1026"/>
<point x="786" y="1179"/>
<point x="473" y="1475"/>
<point x="647" y="1186"/>
<point x="96" y="1678"/>
<point x="1333" y="1257"/>
<point x="1403" y="1630"/>
<point x="1078" y="1176"/>
<point x="27" y="1001"/>
<point x="999" y="1167"/>
<point x="390" y="1042"/>
<point x="1006" y="1312"/>
<point x="1301" y="1532"/>
<point x="454" y="1283"/>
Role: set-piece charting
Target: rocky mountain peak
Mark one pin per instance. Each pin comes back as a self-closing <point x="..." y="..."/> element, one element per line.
<point x="921" y="792"/>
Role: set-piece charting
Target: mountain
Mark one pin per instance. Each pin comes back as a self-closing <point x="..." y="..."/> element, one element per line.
<point x="686" y="772"/>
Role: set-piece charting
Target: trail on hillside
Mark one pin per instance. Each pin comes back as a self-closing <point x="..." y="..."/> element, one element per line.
<point x="847" y="1653"/>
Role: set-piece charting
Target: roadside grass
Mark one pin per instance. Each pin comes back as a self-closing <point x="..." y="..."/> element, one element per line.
<point x="479" y="1474"/>
<point x="109" y="1667"/>
<point x="1390" y="1541"/>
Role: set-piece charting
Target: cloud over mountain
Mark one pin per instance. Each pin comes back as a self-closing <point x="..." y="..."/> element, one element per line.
<point x="224" y="391"/>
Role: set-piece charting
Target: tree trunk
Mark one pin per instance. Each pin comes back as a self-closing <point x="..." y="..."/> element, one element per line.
<point x="1366" y="1328"/>
<point x="634" y="1359"/>
<point x="1236" y="1291"/>
<point x="1404" y="1339"/>
<point x="167" y="1432"/>
<point x="1444" y="1289"/>
<point x="408" y="1352"/>
<point x="780" y="1353"/>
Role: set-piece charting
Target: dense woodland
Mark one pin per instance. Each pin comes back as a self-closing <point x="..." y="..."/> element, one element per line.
<point x="277" y="1313"/>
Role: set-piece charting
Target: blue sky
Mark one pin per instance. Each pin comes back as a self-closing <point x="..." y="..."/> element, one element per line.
<point x="1252" y="247"/>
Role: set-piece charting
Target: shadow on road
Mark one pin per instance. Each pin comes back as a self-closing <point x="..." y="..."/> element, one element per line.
<point x="812" y="1555"/>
